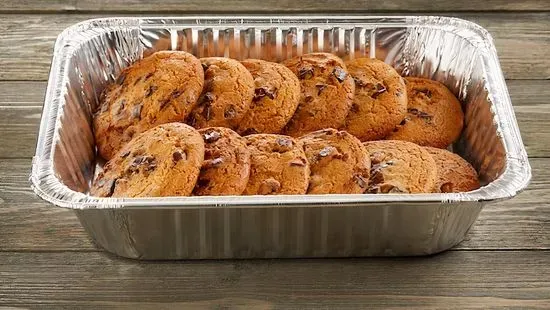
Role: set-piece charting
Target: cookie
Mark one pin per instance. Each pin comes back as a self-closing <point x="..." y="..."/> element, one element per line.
<point x="454" y="174"/>
<point x="228" y="92"/>
<point x="326" y="93"/>
<point x="434" y="115"/>
<point x="400" y="167"/>
<point x="278" y="166"/>
<point x="162" y="161"/>
<point x="276" y="97"/>
<point x="380" y="101"/>
<point x="339" y="164"/>
<point x="161" y="88"/>
<point x="226" y="164"/>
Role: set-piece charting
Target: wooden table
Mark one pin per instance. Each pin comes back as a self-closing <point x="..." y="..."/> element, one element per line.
<point x="46" y="259"/>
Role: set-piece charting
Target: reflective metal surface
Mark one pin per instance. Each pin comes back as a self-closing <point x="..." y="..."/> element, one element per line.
<point x="458" y="53"/>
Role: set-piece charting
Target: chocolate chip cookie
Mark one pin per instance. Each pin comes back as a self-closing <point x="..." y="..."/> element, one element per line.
<point x="226" y="165"/>
<point x="454" y="174"/>
<point x="276" y="97"/>
<point x="339" y="164"/>
<point x="400" y="167"/>
<point x="162" y="161"/>
<point x="434" y="115"/>
<point x="161" y="88"/>
<point x="278" y="166"/>
<point x="228" y="92"/>
<point x="326" y="93"/>
<point x="380" y="101"/>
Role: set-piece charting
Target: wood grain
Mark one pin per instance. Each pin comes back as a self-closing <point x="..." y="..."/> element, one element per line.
<point x="449" y="280"/>
<point x="21" y="106"/>
<point x="28" y="224"/>
<point x="522" y="41"/>
<point x="267" y="6"/>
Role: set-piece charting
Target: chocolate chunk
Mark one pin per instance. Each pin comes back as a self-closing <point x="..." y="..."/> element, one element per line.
<point x="178" y="155"/>
<point x="121" y="105"/>
<point x="446" y="187"/>
<point x="136" y="111"/>
<point x="206" y="99"/>
<point x="426" y="117"/>
<point x="111" y="185"/>
<point x="175" y="94"/>
<point x="261" y="92"/>
<point x="308" y="99"/>
<point x="377" y="157"/>
<point x="284" y="142"/>
<point x="326" y="151"/>
<point x="360" y="180"/>
<point x="320" y="88"/>
<point x="215" y="162"/>
<point x="340" y="74"/>
<point x="121" y="78"/>
<point x="359" y="82"/>
<point x="426" y="92"/>
<point x="230" y="112"/>
<point x="148" y="76"/>
<point x="212" y="136"/>
<point x="403" y="122"/>
<point x="150" y="90"/>
<point x="207" y="112"/>
<point x="269" y="186"/>
<point x="163" y="103"/>
<point x="249" y="131"/>
<point x="148" y="162"/>
<point x="305" y="73"/>
<point x="300" y="161"/>
<point x="379" y="90"/>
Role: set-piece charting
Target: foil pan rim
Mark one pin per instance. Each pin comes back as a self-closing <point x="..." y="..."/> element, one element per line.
<point x="513" y="180"/>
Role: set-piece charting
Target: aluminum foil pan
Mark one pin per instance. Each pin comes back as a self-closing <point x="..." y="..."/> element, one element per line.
<point x="456" y="52"/>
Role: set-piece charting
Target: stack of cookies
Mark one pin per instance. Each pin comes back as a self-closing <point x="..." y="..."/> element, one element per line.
<point x="175" y="125"/>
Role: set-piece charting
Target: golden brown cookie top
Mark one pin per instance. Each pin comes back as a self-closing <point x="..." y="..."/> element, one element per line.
<point x="338" y="162"/>
<point x="278" y="166"/>
<point x="454" y="174"/>
<point x="226" y="165"/>
<point x="434" y="115"/>
<point x="227" y="94"/>
<point x="162" y="161"/>
<point x="400" y="167"/>
<point x="161" y="88"/>
<point x="380" y="101"/>
<point x="326" y="93"/>
<point x="276" y="97"/>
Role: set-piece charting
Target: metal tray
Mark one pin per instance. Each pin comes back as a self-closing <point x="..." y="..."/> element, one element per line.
<point x="456" y="52"/>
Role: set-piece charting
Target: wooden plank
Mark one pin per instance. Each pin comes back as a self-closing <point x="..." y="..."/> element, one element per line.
<point x="266" y="6"/>
<point x="28" y="224"/>
<point x="27" y="42"/>
<point x="20" y="107"/>
<point x="455" y="280"/>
